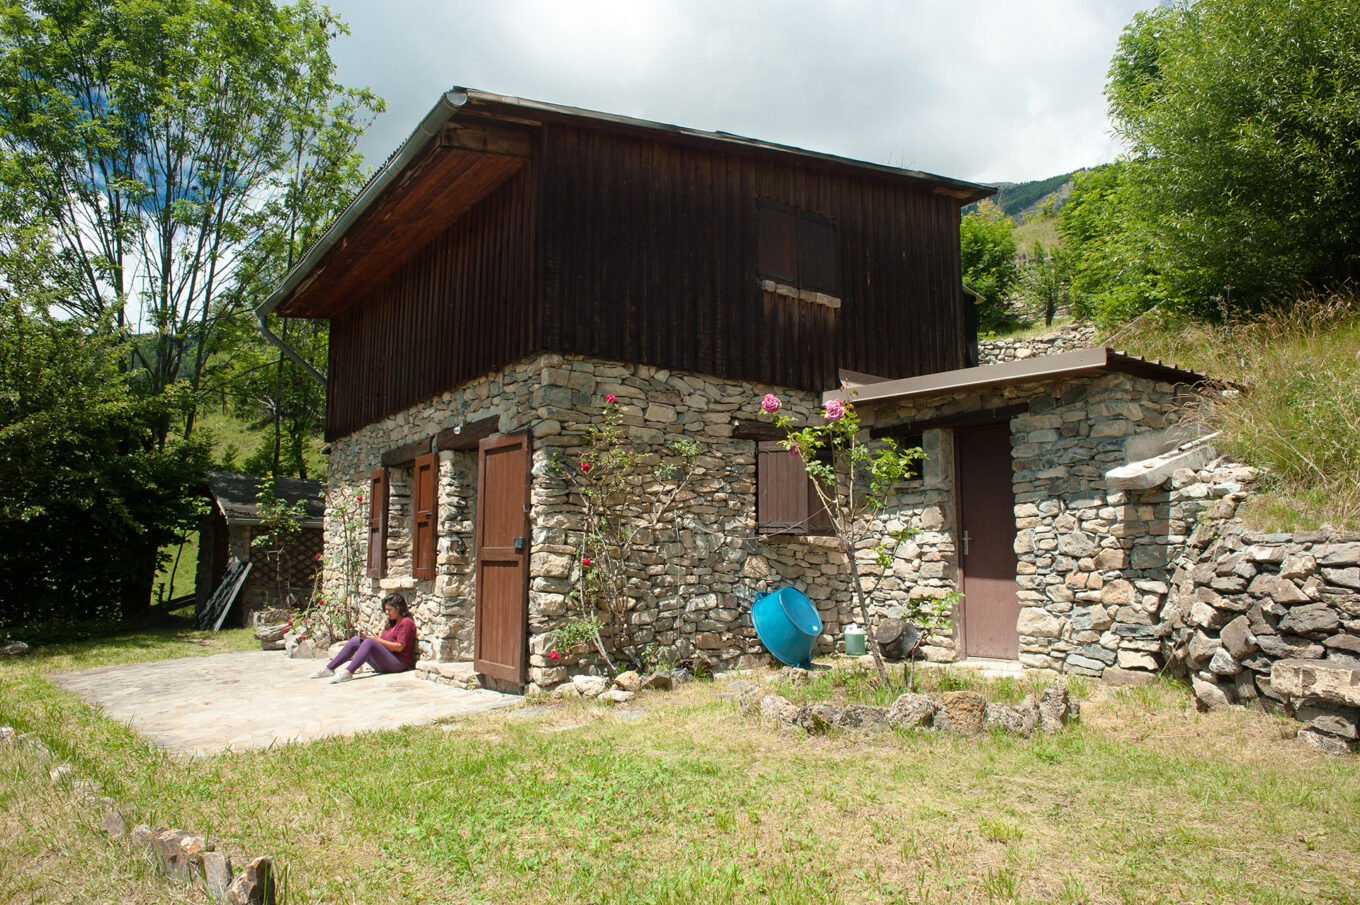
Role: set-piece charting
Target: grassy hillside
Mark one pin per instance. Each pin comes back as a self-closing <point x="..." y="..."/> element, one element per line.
<point x="1298" y="410"/>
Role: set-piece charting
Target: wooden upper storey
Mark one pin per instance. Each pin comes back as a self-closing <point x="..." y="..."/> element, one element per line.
<point x="505" y="227"/>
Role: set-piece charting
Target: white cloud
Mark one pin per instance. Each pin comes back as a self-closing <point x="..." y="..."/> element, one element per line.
<point x="970" y="89"/>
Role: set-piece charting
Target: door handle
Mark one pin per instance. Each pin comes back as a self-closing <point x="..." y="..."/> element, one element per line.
<point x="967" y="539"/>
<point x="519" y="545"/>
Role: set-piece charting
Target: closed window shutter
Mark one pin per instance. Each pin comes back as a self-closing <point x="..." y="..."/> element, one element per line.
<point x="818" y="268"/>
<point x="377" y="523"/>
<point x="781" y="490"/>
<point x="423" y="534"/>
<point x="778" y="244"/>
<point x="819" y="519"/>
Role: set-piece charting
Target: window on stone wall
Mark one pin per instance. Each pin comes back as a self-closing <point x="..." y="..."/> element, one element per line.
<point x="377" y="523"/>
<point x="424" y="494"/>
<point x="786" y="501"/>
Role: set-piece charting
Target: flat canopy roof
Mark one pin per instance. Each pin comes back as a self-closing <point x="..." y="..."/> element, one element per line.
<point x="468" y="144"/>
<point x="1080" y="363"/>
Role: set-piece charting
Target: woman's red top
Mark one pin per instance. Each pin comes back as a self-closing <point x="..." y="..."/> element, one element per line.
<point x="404" y="632"/>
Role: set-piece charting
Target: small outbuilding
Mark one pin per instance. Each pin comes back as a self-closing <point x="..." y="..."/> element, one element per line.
<point x="280" y="577"/>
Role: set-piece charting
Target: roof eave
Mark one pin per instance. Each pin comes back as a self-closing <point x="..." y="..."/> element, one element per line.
<point x="1079" y="363"/>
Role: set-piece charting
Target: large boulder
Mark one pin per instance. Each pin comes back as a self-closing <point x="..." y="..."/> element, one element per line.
<point x="1021" y="719"/>
<point x="590" y="686"/>
<point x="910" y="711"/>
<point x="961" y="712"/>
<point x="1057" y="708"/>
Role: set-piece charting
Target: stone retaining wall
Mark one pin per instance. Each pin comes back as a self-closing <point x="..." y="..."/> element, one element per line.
<point x="1242" y="602"/>
<point x="1068" y="338"/>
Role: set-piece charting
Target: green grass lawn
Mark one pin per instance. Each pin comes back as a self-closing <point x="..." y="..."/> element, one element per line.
<point x="1145" y="801"/>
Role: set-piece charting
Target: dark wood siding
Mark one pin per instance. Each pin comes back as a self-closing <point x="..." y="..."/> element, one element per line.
<point x="651" y="254"/>
<point x="458" y="309"/>
<point x="645" y="248"/>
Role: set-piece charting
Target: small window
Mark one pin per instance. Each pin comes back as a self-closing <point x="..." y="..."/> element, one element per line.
<point x="798" y="249"/>
<point x="786" y="501"/>
<point x="377" y="523"/>
<point x="424" y="493"/>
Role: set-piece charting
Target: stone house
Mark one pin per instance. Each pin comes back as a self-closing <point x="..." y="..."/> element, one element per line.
<point x="229" y="529"/>
<point x="515" y="262"/>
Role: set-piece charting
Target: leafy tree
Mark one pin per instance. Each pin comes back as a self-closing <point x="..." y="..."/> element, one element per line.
<point x="1045" y="282"/>
<point x="987" y="243"/>
<point x="1242" y="120"/>
<point x="88" y="497"/>
<point x="171" y="153"/>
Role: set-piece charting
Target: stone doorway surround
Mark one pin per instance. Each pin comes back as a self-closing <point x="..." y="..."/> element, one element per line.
<point x="254" y="699"/>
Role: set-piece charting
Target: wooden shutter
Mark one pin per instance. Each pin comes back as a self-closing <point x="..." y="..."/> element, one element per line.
<point x="819" y="519"/>
<point x="778" y="244"/>
<point x="817" y="264"/>
<point x="781" y="490"/>
<point x="377" y="523"/>
<point x="424" y="492"/>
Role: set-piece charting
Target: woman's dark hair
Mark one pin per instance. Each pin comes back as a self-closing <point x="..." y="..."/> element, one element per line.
<point x="399" y="602"/>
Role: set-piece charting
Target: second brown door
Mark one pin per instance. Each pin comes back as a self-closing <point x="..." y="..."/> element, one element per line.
<point x="987" y="543"/>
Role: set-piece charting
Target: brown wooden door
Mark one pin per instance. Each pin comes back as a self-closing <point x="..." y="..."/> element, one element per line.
<point x="502" y="619"/>
<point x="987" y="543"/>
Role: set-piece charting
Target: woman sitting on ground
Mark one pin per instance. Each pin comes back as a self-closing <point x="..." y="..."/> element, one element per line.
<point x="392" y="651"/>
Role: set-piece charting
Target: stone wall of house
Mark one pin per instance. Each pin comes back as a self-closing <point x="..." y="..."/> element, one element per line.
<point x="1242" y="601"/>
<point x="695" y="581"/>
<point x="1069" y="338"/>
<point x="1092" y="564"/>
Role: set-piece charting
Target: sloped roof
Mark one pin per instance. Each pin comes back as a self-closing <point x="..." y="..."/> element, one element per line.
<point x="235" y="495"/>
<point x="425" y="183"/>
<point x="1079" y="363"/>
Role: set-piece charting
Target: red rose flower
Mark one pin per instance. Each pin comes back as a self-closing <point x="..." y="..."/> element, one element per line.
<point x="554" y="655"/>
<point x="585" y="466"/>
<point x="609" y="399"/>
<point x="585" y="561"/>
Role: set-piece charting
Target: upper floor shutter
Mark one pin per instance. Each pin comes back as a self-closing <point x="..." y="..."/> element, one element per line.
<point x="377" y="523"/>
<point x="778" y="244"/>
<point x="424" y="493"/>
<point x="818" y="268"/>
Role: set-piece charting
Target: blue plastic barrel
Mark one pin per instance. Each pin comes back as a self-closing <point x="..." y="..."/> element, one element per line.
<point x="788" y="625"/>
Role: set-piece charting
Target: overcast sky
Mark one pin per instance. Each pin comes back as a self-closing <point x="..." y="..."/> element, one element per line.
<point x="986" y="90"/>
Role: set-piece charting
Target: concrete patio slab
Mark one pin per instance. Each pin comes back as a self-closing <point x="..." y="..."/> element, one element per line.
<point x="204" y="705"/>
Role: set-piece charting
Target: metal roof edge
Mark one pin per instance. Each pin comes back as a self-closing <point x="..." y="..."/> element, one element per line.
<point x="975" y="191"/>
<point x="1077" y="363"/>
<point x="454" y="100"/>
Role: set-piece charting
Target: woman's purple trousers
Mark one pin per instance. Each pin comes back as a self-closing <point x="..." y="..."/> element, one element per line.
<point x="367" y="650"/>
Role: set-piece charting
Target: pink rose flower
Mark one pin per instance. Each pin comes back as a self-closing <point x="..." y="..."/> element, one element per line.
<point x="554" y="655"/>
<point x="770" y="403"/>
<point x="609" y="399"/>
<point x="794" y="450"/>
<point x="835" y="410"/>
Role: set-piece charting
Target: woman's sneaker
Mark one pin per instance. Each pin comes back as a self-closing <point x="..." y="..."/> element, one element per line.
<point x="343" y="675"/>
<point x="323" y="672"/>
